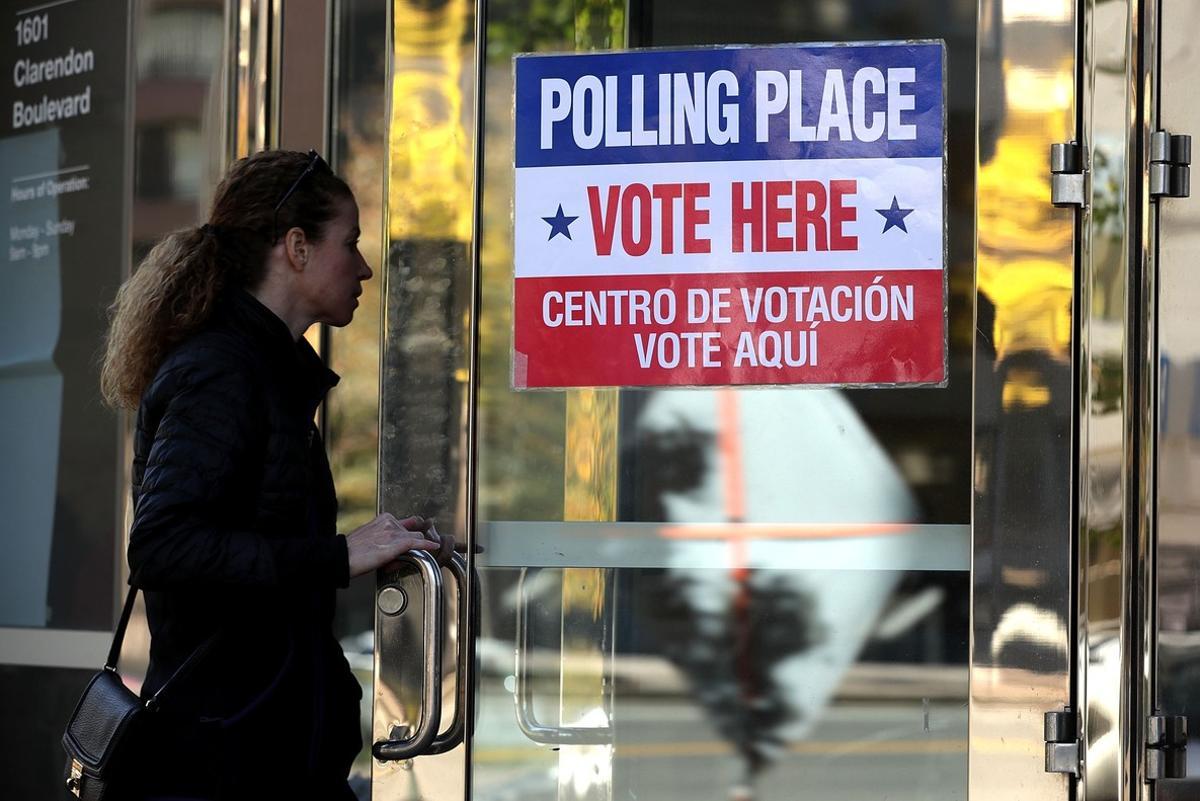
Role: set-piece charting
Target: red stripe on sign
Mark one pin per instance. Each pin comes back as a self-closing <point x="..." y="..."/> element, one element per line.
<point x="846" y="327"/>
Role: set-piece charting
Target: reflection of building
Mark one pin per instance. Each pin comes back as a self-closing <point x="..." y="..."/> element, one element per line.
<point x="178" y="124"/>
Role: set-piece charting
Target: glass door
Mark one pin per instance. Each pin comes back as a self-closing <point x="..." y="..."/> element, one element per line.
<point x="720" y="593"/>
<point x="729" y="593"/>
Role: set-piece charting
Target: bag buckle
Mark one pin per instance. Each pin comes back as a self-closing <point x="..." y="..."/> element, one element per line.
<point x="75" y="781"/>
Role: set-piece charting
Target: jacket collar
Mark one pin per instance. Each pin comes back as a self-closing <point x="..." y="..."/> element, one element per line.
<point x="296" y="361"/>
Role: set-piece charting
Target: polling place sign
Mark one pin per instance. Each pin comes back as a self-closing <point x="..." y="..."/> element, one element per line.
<point x="729" y="216"/>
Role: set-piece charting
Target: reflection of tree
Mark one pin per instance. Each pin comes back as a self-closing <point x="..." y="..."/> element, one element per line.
<point x="655" y="462"/>
<point x="522" y="26"/>
<point x="729" y="652"/>
<point x="728" y="634"/>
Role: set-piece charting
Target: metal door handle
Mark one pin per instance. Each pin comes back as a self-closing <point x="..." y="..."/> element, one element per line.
<point x="523" y="695"/>
<point x="453" y="736"/>
<point x="431" y="695"/>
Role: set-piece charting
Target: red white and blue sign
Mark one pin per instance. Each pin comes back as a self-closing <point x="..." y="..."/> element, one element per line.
<point x="731" y="216"/>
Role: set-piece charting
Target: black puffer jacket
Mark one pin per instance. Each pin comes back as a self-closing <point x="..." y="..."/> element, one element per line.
<point x="234" y="533"/>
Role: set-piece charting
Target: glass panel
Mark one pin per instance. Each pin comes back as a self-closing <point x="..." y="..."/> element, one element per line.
<point x="179" y="116"/>
<point x="426" y="319"/>
<point x="179" y="157"/>
<point x="62" y="167"/>
<point x="357" y="136"/>
<point x="722" y="593"/>
<point x="67" y="215"/>
<point x="1179" y="408"/>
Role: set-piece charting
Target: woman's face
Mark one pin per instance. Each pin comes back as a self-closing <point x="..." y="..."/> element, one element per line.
<point x="332" y="278"/>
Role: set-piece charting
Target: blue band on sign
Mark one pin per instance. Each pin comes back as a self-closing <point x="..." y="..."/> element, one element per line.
<point x="730" y="104"/>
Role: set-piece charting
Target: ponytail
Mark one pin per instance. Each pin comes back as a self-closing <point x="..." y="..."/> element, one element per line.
<point x="167" y="298"/>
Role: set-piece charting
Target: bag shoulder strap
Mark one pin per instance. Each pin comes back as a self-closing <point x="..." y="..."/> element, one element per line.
<point x="114" y="651"/>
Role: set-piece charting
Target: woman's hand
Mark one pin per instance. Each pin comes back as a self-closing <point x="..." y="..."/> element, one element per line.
<point x="385" y="539"/>
<point x="445" y="542"/>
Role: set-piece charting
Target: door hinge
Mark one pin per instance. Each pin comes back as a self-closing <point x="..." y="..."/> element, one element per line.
<point x="1062" y="741"/>
<point x="1170" y="165"/>
<point x="1166" y="747"/>
<point x="1066" y="174"/>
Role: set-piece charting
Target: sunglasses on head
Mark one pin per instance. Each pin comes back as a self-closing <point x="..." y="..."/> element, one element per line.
<point x="314" y="161"/>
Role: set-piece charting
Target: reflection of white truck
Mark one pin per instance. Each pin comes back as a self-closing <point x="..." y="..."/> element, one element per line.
<point x="820" y="505"/>
<point x="782" y="489"/>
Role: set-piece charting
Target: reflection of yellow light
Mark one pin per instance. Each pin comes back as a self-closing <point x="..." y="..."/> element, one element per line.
<point x="1033" y="304"/>
<point x="591" y="459"/>
<point x="1015" y="215"/>
<point x="1024" y="389"/>
<point x="243" y="58"/>
<point x="589" y="493"/>
<point x="313" y="335"/>
<point x="429" y="195"/>
<point x="1025" y="262"/>
<point x="1036" y="11"/>
<point x="1038" y="90"/>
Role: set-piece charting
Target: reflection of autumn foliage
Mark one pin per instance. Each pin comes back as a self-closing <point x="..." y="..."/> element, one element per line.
<point x="353" y="409"/>
<point x="521" y="434"/>
<point x="429" y="208"/>
<point x="524" y="26"/>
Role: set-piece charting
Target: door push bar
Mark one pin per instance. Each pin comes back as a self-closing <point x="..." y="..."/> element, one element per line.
<point x="453" y="737"/>
<point x="523" y="695"/>
<point x="425" y="739"/>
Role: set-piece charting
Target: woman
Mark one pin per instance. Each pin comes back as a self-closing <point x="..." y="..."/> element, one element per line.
<point x="233" y="537"/>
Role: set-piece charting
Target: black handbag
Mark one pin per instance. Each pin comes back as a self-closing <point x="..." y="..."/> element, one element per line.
<point x="101" y="739"/>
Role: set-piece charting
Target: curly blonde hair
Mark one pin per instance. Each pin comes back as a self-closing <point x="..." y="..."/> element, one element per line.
<point x="172" y="292"/>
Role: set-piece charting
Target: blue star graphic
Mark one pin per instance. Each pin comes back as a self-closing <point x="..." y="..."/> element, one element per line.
<point x="894" y="216"/>
<point x="560" y="224"/>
